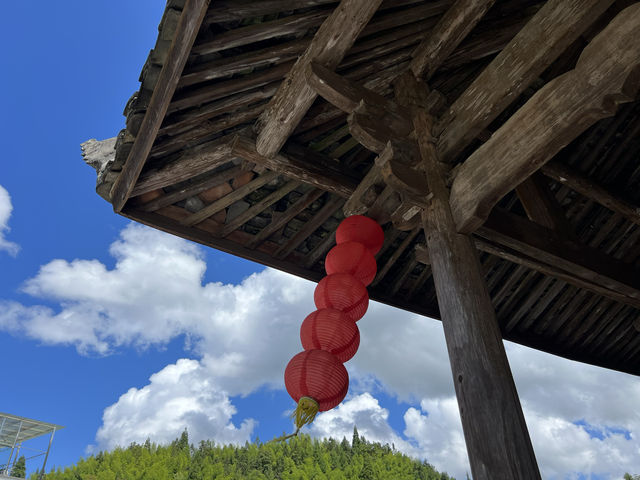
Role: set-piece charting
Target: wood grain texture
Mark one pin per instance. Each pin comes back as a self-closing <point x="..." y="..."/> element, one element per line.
<point x="606" y="75"/>
<point x="335" y="36"/>
<point x="189" y="164"/>
<point x="591" y="189"/>
<point x="452" y="28"/>
<point x="185" y="35"/>
<point x="552" y="29"/>
<point x="301" y="164"/>
<point x="487" y="397"/>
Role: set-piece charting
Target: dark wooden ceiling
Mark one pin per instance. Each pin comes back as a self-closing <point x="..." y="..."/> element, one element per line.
<point x="202" y="183"/>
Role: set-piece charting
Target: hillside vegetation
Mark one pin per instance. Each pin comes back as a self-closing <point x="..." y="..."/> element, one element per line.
<point x="301" y="458"/>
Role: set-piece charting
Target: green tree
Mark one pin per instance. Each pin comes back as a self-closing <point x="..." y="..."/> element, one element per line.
<point x="19" y="469"/>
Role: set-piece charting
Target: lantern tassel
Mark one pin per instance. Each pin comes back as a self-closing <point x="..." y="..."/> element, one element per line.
<point x="304" y="414"/>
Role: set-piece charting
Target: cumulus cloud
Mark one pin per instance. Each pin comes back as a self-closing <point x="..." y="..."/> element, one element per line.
<point x="179" y="396"/>
<point x="242" y="336"/>
<point x="5" y="213"/>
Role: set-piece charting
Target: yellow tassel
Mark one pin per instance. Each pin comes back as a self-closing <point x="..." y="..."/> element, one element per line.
<point x="304" y="414"/>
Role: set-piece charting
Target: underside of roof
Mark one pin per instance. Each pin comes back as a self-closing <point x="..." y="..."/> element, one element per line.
<point x="203" y="179"/>
<point x="15" y="430"/>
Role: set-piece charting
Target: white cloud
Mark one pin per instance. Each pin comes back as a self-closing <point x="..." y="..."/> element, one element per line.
<point x="5" y="213"/>
<point x="243" y="335"/>
<point x="179" y="396"/>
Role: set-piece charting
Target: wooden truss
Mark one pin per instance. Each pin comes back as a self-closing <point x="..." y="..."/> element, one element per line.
<point x="428" y="177"/>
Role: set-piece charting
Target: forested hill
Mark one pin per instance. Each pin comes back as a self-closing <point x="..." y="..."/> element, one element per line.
<point x="300" y="458"/>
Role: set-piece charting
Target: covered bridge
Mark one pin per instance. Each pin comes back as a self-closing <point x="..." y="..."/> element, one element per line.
<point x="498" y="142"/>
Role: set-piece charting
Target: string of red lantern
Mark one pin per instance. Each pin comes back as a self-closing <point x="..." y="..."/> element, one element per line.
<point x="316" y="378"/>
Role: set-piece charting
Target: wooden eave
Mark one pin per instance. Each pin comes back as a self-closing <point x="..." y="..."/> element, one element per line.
<point x="196" y="153"/>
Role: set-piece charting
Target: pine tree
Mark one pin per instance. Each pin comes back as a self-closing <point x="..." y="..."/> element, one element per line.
<point x="355" y="441"/>
<point x="19" y="469"/>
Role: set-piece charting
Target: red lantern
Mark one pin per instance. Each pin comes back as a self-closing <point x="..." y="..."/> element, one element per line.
<point x="358" y="228"/>
<point x="352" y="258"/>
<point x="319" y="375"/>
<point x="343" y="292"/>
<point x="332" y="331"/>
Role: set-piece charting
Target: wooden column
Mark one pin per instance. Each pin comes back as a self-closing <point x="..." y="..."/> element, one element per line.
<point x="494" y="428"/>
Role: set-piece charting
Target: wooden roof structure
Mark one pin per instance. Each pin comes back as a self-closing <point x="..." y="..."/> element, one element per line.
<point x="512" y="126"/>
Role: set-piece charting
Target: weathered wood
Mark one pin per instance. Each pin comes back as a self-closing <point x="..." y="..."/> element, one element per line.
<point x="605" y="76"/>
<point x="332" y="205"/>
<point x="293" y="99"/>
<point x="258" y="207"/>
<point x="483" y="382"/>
<point x="591" y="189"/>
<point x="279" y="220"/>
<point x="223" y="67"/>
<point x="262" y="31"/>
<point x="580" y="262"/>
<point x="452" y="28"/>
<point x="227" y="200"/>
<point x="400" y="168"/>
<point x="186" y="31"/>
<point x="296" y="163"/>
<point x="199" y="96"/>
<point x="183" y="121"/>
<point x="320" y="250"/>
<point x="541" y="206"/>
<point x="189" y="164"/>
<point x="553" y="28"/>
<point x="365" y="194"/>
<point x="191" y="189"/>
<point x="391" y="261"/>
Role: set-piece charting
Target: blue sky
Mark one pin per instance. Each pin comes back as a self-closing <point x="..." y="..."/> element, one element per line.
<point x="76" y="354"/>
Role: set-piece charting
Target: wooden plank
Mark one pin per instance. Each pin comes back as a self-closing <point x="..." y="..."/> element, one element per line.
<point x="605" y="76"/>
<point x="301" y="164"/>
<point x="259" y="32"/>
<point x="191" y="189"/>
<point x="483" y="382"/>
<point x="614" y="278"/>
<point x="185" y="35"/>
<point x="222" y="67"/>
<point x="332" y="205"/>
<point x="258" y="207"/>
<point x="190" y="164"/>
<point x="279" y="220"/>
<point x="452" y="28"/>
<point x="237" y="194"/>
<point x="541" y="206"/>
<point x="391" y="261"/>
<point x="335" y="36"/>
<point x="591" y="189"/>
<point x="552" y="29"/>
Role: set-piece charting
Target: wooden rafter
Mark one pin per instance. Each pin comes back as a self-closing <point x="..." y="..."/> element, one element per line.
<point x="335" y="36"/>
<point x="591" y="189"/>
<point x="452" y="28"/>
<point x="605" y="76"/>
<point x="532" y="50"/>
<point x="186" y="31"/>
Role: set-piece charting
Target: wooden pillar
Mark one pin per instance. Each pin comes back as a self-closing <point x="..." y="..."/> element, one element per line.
<point x="494" y="428"/>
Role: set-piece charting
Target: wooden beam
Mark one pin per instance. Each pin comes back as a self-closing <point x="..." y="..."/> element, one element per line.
<point x="190" y="164"/>
<point x="332" y="205"/>
<point x="258" y="207"/>
<point x="585" y="264"/>
<point x="279" y="220"/>
<point x="452" y="28"/>
<point x="191" y="189"/>
<point x="591" y="189"/>
<point x="483" y="382"/>
<point x="335" y="36"/>
<point x="224" y="202"/>
<point x="552" y="29"/>
<point x="301" y="164"/>
<point x="541" y="205"/>
<point x="605" y="76"/>
<point x="185" y="35"/>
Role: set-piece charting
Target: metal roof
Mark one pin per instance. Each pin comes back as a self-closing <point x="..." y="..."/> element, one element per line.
<point x="15" y="429"/>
